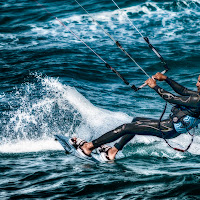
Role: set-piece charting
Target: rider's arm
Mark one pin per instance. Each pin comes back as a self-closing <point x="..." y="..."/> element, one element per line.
<point x="192" y="101"/>
<point x="179" y="88"/>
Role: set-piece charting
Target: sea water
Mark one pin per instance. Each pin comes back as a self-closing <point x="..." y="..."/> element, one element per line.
<point x="53" y="84"/>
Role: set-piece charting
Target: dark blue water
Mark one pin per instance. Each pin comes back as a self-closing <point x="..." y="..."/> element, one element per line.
<point x="50" y="83"/>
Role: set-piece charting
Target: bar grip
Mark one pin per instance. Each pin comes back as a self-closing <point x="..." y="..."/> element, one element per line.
<point x="143" y="85"/>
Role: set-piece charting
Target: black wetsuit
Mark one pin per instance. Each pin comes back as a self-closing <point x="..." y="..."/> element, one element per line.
<point x="188" y="104"/>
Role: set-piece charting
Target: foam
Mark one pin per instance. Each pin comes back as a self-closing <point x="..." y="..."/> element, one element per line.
<point x="168" y="24"/>
<point x="37" y="120"/>
<point x="157" y="147"/>
<point x="30" y="146"/>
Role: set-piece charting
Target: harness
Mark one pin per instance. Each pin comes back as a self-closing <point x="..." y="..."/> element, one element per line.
<point x="177" y="116"/>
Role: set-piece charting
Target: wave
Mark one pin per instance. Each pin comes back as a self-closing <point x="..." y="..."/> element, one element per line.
<point x="40" y="110"/>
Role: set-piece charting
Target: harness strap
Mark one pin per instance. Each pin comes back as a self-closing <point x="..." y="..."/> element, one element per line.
<point x="181" y="150"/>
<point x="176" y="149"/>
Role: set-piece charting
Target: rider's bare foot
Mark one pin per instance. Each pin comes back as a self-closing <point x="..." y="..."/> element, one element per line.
<point x="112" y="153"/>
<point x="86" y="147"/>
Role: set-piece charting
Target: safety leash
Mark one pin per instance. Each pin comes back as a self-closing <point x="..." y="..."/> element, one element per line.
<point x="177" y="149"/>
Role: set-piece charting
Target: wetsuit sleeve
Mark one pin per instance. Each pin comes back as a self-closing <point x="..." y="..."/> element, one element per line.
<point x="192" y="101"/>
<point x="179" y="88"/>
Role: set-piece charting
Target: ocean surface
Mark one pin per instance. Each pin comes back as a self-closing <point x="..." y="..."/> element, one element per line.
<point x="51" y="83"/>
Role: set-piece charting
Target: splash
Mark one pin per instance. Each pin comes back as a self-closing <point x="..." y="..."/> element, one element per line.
<point x="40" y="110"/>
<point x="46" y="107"/>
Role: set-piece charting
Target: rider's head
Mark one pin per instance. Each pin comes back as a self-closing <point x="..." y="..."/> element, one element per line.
<point x="198" y="84"/>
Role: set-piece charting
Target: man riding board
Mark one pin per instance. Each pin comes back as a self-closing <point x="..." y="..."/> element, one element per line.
<point x="184" y="116"/>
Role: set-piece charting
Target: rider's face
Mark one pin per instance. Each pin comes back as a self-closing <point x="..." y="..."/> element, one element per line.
<point x="198" y="84"/>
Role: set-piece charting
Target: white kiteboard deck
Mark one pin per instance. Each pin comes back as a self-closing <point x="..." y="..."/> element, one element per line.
<point x="70" y="149"/>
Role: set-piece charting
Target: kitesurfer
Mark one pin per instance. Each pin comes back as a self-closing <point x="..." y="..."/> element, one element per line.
<point x="184" y="116"/>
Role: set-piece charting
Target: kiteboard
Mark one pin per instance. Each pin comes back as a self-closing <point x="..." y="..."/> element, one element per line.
<point x="70" y="149"/>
